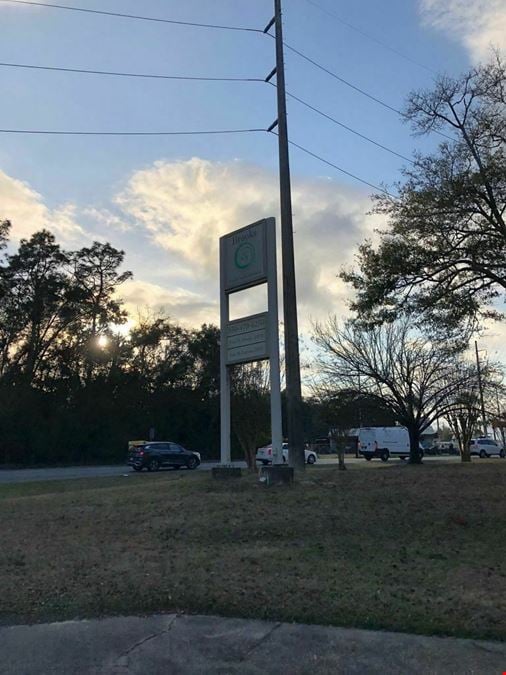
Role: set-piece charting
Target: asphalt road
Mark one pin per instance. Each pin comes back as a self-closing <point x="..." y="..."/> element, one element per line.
<point x="67" y="473"/>
<point x="178" y="643"/>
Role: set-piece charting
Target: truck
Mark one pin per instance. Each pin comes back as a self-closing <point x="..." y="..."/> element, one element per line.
<point x="383" y="442"/>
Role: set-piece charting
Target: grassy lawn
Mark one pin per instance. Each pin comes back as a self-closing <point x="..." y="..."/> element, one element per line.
<point x="414" y="549"/>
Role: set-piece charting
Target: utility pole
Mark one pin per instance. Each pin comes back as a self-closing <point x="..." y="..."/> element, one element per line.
<point x="292" y="359"/>
<point x="480" y="386"/>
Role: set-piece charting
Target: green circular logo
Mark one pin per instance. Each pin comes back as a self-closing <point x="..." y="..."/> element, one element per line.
<point x="244" y="255"/>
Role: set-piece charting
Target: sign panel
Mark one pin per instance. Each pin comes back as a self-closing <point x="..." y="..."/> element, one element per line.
<point x="247" y="339"/>
<point x="245" y="257"/>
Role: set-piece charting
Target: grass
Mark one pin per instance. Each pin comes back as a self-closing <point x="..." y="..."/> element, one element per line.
<point x="413" y="549"/>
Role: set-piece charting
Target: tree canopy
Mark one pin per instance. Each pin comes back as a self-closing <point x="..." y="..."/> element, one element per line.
<point x="443" y="252"/>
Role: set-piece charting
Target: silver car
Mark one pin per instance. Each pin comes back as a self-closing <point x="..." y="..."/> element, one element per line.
<point x="486" y="447"/>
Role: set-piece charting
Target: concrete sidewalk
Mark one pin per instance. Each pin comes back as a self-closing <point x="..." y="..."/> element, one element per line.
<point x="173" y="645"/>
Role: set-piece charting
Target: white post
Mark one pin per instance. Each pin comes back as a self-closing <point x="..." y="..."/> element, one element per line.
<point x="225" y="454"/>
<point x="273" y="337"/>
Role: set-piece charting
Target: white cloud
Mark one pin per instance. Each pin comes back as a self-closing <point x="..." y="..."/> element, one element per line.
<point x="106" y="219"/>
<point x="477" y="24"/>
<point x="187" y="205"/>
<point x="26" y="210"/>
<point x="169" y="217"/>
<point x="493" y="340"/>
<point x="181" y="305"/>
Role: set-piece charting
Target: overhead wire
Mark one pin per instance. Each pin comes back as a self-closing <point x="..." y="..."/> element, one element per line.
<point x="202" y="78"/>
<point x="50" y="132"/>
<point x="136" y="17"/>
<point x="126" y="74"/>
<point x="345" y="126"/>
<point x="339" y="168"/>
<point x="203" y="25"/>
<point x="355" y="87"/>
<point x="370" y="37"/>
<point x="129" y="133"/>
<point x="205" y="79"/>
<point x="342" y="80"/>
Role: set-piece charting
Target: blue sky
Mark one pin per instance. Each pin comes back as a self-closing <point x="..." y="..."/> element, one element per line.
<point x="85" y="169"/>
<point x="166" y="200"/>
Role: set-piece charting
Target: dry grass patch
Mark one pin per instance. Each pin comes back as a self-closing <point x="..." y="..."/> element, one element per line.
<point x="415" y="549"/>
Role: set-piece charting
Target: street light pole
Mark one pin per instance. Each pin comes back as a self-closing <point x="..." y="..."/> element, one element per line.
<point x="292" y="359"/>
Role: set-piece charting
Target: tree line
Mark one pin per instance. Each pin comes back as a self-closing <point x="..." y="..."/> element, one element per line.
<point x="75" y="389"/>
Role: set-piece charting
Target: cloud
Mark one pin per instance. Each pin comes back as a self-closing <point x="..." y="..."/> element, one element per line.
<point x="477" y="24"/>
<point x="106" y="219"/>
<point x="493" y="339"/>
<point x="180" y="304"/>
<point x="169" y="216"/>
<point x="186" y="206"/>
<point x="26" y="210"/>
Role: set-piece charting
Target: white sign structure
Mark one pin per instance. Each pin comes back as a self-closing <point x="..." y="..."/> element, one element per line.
<point x="248" y="258"/>
<point x="248" y="339"/>
<point x="245" y="257"/>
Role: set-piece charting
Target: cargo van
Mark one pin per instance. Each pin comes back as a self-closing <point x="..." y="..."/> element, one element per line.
<point x="383" y="442"/>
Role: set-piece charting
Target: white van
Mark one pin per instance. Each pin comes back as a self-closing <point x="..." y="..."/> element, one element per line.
<point x="383" y="442"/>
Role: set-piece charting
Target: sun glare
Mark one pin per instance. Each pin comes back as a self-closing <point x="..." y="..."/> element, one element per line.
<point x="103" y="341"/>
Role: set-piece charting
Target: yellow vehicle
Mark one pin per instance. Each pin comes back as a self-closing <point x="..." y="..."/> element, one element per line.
<point x="135" y="444"/>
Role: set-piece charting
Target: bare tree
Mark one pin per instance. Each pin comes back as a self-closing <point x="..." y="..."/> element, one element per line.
<point x="411" y="375"/>
<point x="462" y="408"/>
<point x="463" y="416"/>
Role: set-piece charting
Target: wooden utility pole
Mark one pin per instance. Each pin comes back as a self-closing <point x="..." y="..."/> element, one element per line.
<point x="480" y="386"/>
<point x="292" y="360"/>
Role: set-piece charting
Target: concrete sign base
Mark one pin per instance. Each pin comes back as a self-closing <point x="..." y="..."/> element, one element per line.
<point x="276" y="475"/>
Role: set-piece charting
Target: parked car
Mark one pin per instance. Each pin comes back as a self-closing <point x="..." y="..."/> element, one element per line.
<point x="445" y="448"/>
<point x="264" y="455"/>
<point x="321" y="446"/>
<point x="486" y="447"/>
<point x="384" y="442"/>
<point x="154" y="455"/>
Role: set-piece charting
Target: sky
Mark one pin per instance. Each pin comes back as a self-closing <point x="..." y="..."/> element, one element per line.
<point x="166" y="200"/>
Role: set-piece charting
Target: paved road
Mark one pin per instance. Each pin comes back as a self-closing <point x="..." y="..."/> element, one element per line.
<point x="206" y="644"/>
<point x="67" y="473"/>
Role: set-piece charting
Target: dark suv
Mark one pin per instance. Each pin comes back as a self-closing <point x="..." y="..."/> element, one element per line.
<point x="152" y="456"/>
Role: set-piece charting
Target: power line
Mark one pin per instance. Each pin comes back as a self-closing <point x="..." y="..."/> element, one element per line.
<point x="129" y="133"/>
<point x="341" y="79"/>
<point x="192" y="24"/>
<point x="370" y="37"/>
<point x="47" y="132"/>
<point x="204" y="79"/>
<point x="133" y="16"/>
<point x="344" y="126"/>
<point x="356" y="88"/>
<point x="339" y="168"/>
<point x="123" y="74"/>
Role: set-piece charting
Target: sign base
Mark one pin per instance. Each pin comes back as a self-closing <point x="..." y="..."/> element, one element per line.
<point x="276" y="475"/>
